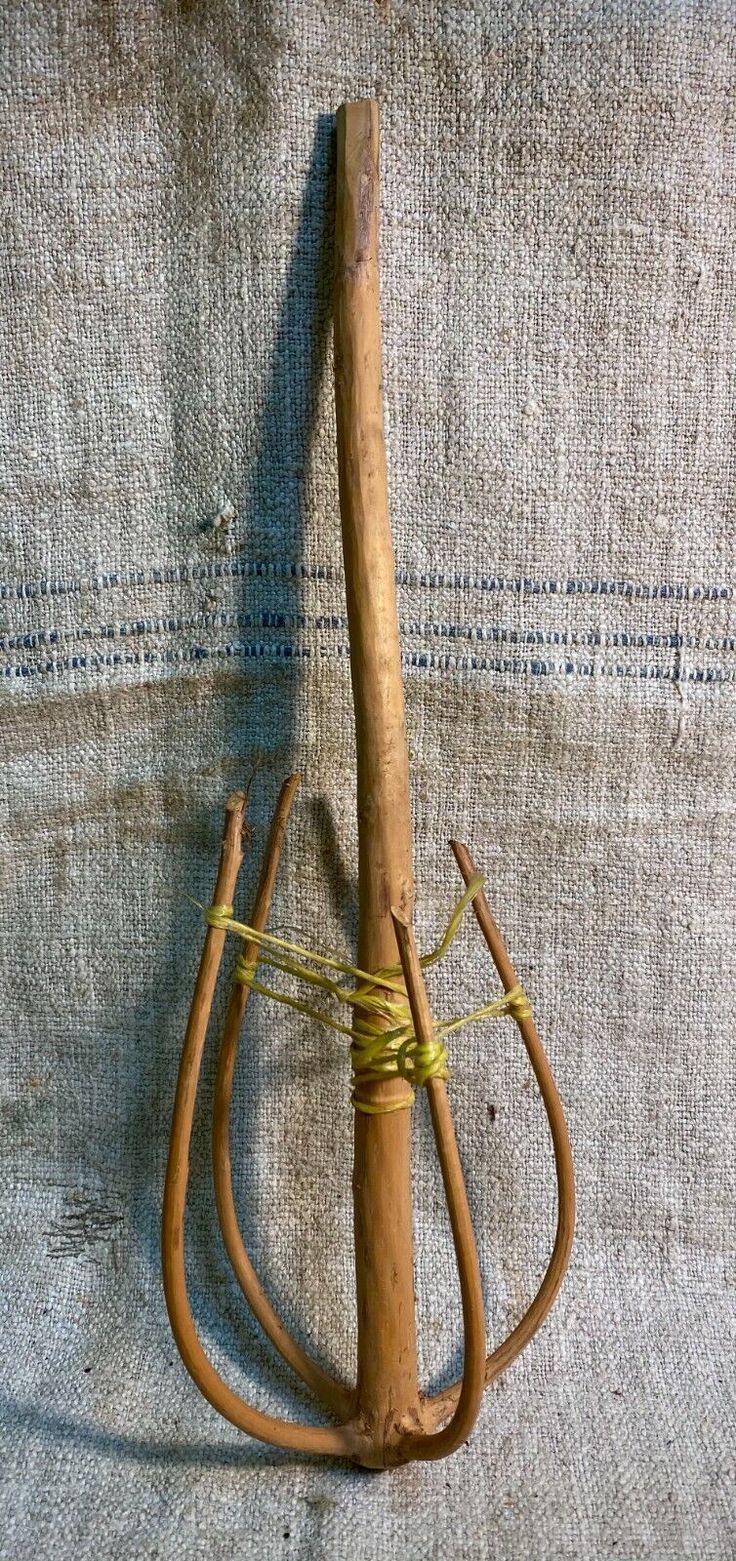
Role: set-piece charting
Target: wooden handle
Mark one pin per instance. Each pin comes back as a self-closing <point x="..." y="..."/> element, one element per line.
<point x="384" y="824"/>
<point x="387" y="1387"/>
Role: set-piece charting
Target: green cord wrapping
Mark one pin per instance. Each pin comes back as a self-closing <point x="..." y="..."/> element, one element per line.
<point x="383" y="1042"/>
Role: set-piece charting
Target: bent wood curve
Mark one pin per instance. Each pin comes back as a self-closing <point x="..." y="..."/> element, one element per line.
<point x="439" y="1444"/>
<point x="339" y="1441"/>
<point x="336" y="1396"/>
<point x="441" y="1404"/>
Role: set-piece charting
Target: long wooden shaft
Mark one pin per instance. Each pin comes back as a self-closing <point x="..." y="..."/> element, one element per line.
<point x="388" y="1397"/>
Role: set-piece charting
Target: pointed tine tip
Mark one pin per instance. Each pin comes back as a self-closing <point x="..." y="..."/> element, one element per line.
<point x="462" y="856"/>
<point x="465" y="859"/>
<point x="235" y="802"/>
<point x="289" y="789"/>
<point x="235" y="809"/>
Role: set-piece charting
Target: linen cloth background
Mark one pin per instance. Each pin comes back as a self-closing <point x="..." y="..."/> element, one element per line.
<point x="557" y="265"/>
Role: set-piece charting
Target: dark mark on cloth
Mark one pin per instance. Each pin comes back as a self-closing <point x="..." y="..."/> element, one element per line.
<point x="85" y="1223"/>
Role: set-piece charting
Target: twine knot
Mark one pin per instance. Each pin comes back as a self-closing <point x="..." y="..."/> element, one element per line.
<point x="517" y="1004"/>
<point x="383" y="1044"/>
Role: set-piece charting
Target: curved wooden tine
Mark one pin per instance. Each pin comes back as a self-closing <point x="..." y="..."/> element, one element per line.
<point x="439" y="1443"/>
<point x="442" y="1403"/>
<point x="341" y="1441"/>
<point x="336" y="1396"/>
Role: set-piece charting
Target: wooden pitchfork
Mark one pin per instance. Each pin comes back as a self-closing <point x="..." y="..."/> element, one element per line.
<point x="384" y="1419"/>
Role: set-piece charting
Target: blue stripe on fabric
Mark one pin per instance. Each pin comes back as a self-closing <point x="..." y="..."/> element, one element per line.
<point x="423" y="661"/>
<point x="220" y="569"/>
<point x="34" y="639"/>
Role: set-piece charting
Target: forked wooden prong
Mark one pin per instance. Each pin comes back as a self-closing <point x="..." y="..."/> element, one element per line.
<point x="388" y="1421"/>
<point x="443" y="1403"/>
<point x="339" y="1441"/>
<point x="336" y="1396"/>
<point x="438" y="1444"/>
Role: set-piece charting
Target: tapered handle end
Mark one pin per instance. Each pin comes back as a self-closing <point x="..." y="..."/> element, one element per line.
<point x="357" y="187"/>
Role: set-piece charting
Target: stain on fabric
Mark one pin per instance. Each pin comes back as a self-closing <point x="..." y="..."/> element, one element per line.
<point x="86" y="1225"/>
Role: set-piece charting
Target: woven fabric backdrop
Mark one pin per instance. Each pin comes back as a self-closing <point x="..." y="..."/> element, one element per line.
<point x="557" y="264"/>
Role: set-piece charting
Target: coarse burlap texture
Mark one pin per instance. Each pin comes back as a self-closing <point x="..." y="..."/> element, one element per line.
<point x="557" y="271"/>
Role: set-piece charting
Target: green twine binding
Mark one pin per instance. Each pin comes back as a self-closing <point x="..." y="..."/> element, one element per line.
<point x="383" y="1042"/>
